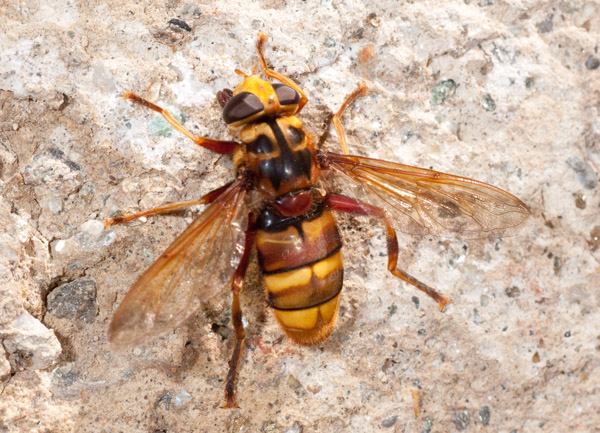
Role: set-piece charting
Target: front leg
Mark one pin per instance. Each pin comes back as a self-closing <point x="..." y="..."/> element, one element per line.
<point x="214" y="145"/>
<point x="262" y="38"/>
<point x="361" y="90"/>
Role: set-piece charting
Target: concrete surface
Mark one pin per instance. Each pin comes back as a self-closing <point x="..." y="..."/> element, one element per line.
<point x="516" y="351"/>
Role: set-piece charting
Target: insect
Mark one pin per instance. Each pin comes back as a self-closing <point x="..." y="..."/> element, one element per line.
<point x="276" y="203"/>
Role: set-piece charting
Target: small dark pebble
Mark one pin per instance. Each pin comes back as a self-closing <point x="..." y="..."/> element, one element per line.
<point x="442" y="91"/>
<point x="428" y="425"/>
<point x="592" y="63"/>
<point x="547" y="25"/>
<point x="584" y="172"/>
<point x="269" y="426"/>
<point x="484" y="415"/>
<point x="529" y="82"/>
<point x="75" y="301"/>
<point x="594" y="241"/>
<point x="21" y="359"/>
<point x="462" y="419"/>
<point x="567" y="334"/>
<point x="358" y="33"/>
<point x="488" y="102"/>
<point x="512" y="292"/>
<point x="63" y="378"/>
<point x="392" y="309"/>
<point x="164" y="399"/>
<point x="296" y="428"/>
<point x="557" y="265"/>
<point x="60" y="155"/>
<point x="373" y="20"/>
<point x="67" y="376"/>
<point x="580" y="201"/>
<point x="390" y="421"/>
<point x="181" y="24"/>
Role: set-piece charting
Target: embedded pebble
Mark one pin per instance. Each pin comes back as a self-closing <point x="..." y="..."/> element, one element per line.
<point x="462" y="419"/>
<point x="75" y="301"/>
<point x="592" y="63"/>
<point x="484" y="415"/>
<point x="296" y="428"/>
<point x="30" y="345"/>
<point x="57" y="245"/>
<point x="584" y="172"/>
<point x="164" y="399"/>
<point x="442" y="91"/>
<point x="181" y="398"/>
<point x="389" y="422"/>
<point x="92" y="227"/>
<point x="55" y="205"/>
<point x="93" y="235"/>
<point x="54" y="173"/>
<point x="67" y="380"/>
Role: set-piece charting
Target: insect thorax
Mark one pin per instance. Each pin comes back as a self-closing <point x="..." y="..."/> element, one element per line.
<point x="281" y="155"/>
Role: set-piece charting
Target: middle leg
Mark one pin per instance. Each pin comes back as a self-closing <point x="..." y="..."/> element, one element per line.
<point x="236" y="317"/>
<point x="170" y="207"/>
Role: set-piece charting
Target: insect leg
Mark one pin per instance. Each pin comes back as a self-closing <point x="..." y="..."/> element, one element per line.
<point x="361" y="90"/>
<point x="349" y="205"/>
<point x="171" y="207"/>
<point x="236" y="318"/>
<point x="262" y="38"/>
<point x="214" y="145"/>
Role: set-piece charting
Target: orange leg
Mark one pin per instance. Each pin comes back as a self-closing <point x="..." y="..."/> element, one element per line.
<point x="346" y="204"/>
<point x="214" y="145"/>
<point x="236" y="319"/>
<point x="171" y="207"/>
<point x="262" y="38"/>
<point x="361" y="90"/>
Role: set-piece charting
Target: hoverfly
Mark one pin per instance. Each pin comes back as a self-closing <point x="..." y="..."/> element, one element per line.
<point x="293" y="227"/>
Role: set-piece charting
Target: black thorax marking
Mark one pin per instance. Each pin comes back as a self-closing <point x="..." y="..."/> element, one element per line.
<point x="289" y="164"/>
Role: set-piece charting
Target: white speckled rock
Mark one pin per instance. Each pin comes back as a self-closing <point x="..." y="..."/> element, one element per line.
<point x="30" y="345"/>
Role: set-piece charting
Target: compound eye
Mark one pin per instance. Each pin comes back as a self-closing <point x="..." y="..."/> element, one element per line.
<point x="241" y="106"/>
<point x="286" y="95"/>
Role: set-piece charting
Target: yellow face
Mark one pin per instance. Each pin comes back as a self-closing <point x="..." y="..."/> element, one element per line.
<point x="255" y="98"/>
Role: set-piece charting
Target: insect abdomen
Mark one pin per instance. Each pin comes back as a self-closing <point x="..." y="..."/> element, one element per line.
<point x="301" y="263"/>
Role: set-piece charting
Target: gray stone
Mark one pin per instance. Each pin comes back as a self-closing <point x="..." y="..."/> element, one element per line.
<point x="75" y="301"/>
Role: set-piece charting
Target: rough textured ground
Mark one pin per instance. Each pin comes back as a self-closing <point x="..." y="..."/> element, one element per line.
<point x="516" y="351"/>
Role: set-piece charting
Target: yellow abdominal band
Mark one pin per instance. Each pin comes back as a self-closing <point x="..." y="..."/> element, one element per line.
<point x="306" y="300"/>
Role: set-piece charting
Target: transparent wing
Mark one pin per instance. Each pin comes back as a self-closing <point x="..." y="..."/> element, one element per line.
<point x="424" y="201"/>
<point x="196" y="266"/>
